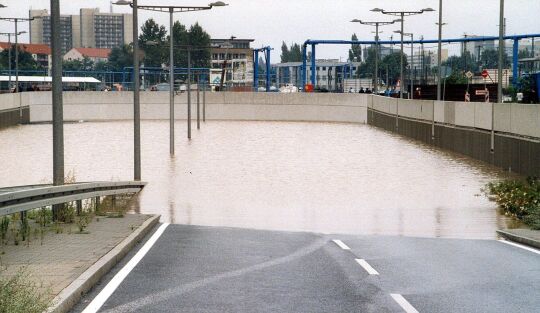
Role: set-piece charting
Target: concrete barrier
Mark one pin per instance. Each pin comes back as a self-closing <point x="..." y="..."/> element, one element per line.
<point x="510" y="118"/>
<point x="103" y="106"/>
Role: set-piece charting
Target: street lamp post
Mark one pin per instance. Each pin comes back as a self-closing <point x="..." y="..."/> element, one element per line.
<point x="16" y="20"/>
<point x="9" y="54"/>
<point x="376" y="24"/>
<point x="499" y="74"/>
<point x="411" y="95"/>
<point x="171" y="10"/>
<point x="402" y="15"/>
<point x="136" y="91"/>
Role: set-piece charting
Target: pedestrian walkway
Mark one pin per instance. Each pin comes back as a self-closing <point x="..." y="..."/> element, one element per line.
<point x="61" y="258"/>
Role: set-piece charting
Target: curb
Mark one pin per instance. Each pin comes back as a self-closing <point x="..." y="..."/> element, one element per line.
<point x="519" y="239"/>
<point x="71" y="295"/>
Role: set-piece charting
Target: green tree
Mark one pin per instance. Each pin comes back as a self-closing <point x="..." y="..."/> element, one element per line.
<point x="355" y="53"/>
<point x="181" y="38"/>
<point x="367" y="68"/>
<point x="284" y="53"/>
<point x="155" y="55"/>
<point x="26" y="61"/>
<point x="391" y="63"/>
<point x="199" y="38"/>
<point x="77" y="65"/>
<point x="490" y="59"/>
<point x="121" y="57"/>
<point x="295" y="53"/>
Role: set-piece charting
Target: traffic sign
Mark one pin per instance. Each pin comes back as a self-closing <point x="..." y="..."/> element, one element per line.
<point x="469" y="74"/>
<point x="485" y="73"/>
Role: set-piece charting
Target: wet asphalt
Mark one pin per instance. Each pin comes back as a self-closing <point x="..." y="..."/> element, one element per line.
<point x="213" y="269"/>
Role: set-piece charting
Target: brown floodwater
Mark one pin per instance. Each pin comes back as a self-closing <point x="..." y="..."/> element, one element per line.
<point x="317" y="177"/>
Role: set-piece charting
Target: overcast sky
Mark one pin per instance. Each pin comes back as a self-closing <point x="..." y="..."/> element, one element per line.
<point x="272" y="21"/>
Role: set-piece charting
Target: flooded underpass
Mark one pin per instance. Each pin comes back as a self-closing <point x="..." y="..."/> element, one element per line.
<point x="316" y="177"/>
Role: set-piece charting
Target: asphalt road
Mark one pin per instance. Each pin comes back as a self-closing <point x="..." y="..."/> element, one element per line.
<point x="208" y="269"/>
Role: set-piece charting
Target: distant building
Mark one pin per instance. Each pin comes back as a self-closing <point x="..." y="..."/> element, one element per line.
<point x="239" y="56"/>
<point x="89" y="29"/>
<point x="329" y="74"/>
<point x="475" y="48"/>
<point x="40" y="53"/>
<point x="94" y="54"/>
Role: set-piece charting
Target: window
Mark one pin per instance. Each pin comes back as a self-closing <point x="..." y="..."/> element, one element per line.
<point x="324" y="68"/>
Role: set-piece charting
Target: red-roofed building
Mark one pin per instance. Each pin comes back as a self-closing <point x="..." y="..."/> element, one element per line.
<point x="94" y="54"/>
<point x="40" y="52"/>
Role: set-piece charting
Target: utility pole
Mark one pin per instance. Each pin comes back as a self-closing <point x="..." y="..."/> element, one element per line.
<point x="499" y="73"/>
<point x="57" y="101"/>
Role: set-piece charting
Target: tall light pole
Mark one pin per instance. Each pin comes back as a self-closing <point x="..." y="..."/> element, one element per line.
<point x="136" y="91"/>
<point x="57" y="101"/>
<point x="411" y="96"/>
<point x="171" y="10"/>
<point x="499" y="73"/>
<point x="9" y="53"/>
<point x="16" y="20"/>
<point x="402" y="15"/>
<point x="376" y="24"/>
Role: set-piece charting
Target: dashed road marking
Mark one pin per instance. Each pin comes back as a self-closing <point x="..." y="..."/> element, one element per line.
<point x="341" y="244"/>
<point x="367" y="267"/>
<point x="104" y="295"/>
<point x="404" y="303"/>
<point x="520" y="246"/>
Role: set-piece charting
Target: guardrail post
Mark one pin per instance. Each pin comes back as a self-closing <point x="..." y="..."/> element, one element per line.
<point x="79" y="207"/>
<point x="96" y="208"/>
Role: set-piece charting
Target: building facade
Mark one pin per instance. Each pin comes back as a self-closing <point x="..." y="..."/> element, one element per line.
<point x="40" y="53"/>
<point x="239" y="56"/>
<point x="329" y="74"/>
<point x="94" y="54"/>
<point x="89" y="29"/>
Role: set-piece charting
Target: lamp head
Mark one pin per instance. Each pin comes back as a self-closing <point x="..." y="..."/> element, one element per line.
<point x="218" y="4"/>
<point x="2" y="6"/>
<point x="398" y="20"/>
<point x="377" y="10"/>
<point x="356" y="21"/>
<point x="122" y="2"/>
<point x="428" y="10"/>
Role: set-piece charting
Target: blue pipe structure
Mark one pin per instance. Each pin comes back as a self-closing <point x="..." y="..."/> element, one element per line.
<point x="515" y="61"/>
<point x="266" y="50"/>
<point x="256" y="70"/>
<point x="304" y="65"/>
<point x="515" y="39"/>
<point x="313" y="65"/>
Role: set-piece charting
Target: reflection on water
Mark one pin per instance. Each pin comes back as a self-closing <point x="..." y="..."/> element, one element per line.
<point x="320" y="177"/>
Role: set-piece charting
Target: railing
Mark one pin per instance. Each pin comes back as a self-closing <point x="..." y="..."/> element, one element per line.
<point x="24" y="198"/>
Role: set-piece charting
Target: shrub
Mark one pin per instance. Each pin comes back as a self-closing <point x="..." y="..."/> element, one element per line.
<point x="520" y="199"/>
<point x="19" y="294"/>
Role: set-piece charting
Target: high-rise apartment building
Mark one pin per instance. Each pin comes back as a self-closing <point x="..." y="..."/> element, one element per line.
<point x="89" y="29"/>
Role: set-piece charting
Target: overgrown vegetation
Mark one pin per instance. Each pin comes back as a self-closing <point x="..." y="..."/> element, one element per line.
<point x="520" y="199"/>
<point x="19" y="293"/>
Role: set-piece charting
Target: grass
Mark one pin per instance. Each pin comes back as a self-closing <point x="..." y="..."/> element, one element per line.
<point x="520" y="199"/>
<point x="19" y="293"/>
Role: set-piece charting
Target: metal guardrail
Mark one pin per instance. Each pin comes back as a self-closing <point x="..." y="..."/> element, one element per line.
<point x="24" y="198"/>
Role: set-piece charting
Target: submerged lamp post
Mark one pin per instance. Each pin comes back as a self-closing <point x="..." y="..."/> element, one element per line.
<point x="9" y="54"/>
<point x="171" y="10"/>
<point x="402" y="15"/>
<point x="411" y="95"/>
<point x="16" y="20"/>
<point x="376" y="24"/>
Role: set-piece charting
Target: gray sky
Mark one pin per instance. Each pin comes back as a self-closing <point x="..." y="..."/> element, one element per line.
<point x="272" y="21"/>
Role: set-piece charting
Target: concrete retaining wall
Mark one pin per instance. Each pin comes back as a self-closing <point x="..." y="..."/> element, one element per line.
<point x="220" y="106"/>
<point x="465" y="128"/>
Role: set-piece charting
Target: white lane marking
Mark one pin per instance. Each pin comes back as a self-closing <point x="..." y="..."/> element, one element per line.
<point x="520" y="246"/>
<point x="102" y="297"/>
<point x="341" y="244"/>
<point x="404" y="303"/>
<point x="367" y="267"/>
